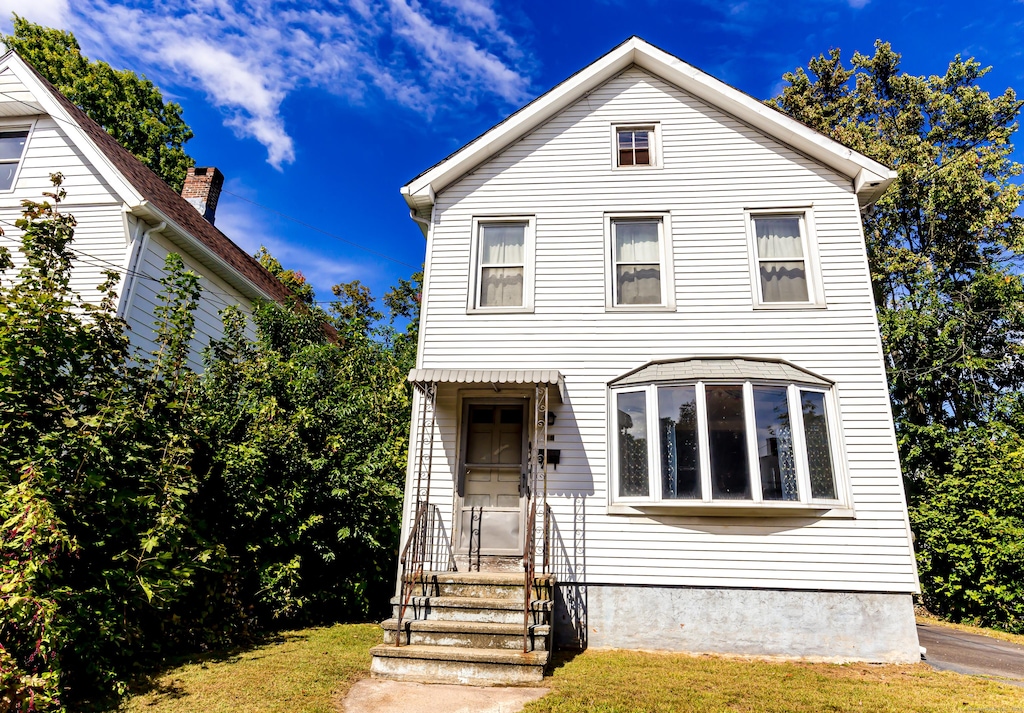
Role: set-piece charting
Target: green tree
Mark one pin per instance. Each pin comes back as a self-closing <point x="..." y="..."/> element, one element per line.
<point x="128" y="107"/>
<point x="944" y="248"/>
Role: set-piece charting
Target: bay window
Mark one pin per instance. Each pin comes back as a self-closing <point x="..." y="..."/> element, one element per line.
<point x="707" y="441"/>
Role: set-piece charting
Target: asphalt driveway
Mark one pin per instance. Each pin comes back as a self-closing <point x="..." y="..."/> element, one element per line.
<point x="952" y="650"/>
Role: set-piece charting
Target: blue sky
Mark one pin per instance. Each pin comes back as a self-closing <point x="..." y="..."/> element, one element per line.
<point x="322" y="109"/>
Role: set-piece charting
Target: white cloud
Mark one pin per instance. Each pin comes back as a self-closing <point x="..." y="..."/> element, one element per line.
<point x="248" y="55"/>
<point x="52" y="13"/>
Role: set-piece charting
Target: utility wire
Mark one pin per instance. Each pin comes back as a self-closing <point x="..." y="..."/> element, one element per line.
<point x="247" y="200"/>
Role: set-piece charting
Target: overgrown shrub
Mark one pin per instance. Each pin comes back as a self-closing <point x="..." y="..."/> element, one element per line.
<point x="969" y="523"/>
<point x="148" y="510"/>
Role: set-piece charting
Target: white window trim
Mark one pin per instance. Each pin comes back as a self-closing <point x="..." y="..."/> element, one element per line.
<point x="841" y="506"/>
<point x="668" y="293"/>
<point x="809" y="242"/>
<point x="655" y="144"/>
<point x="15" y="125"/>
<point x="473" y="303"/>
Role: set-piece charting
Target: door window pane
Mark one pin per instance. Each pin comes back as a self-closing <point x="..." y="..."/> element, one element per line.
<point x="819" y="452"/>
<point x="727" y="438"/>
<point x="632" y="434"/>
<point x="677" y="418"/>
<point x="775" y="444"/>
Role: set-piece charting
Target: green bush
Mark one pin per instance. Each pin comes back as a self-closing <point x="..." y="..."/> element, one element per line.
<point x="148" y="510"/>
<point x="969" y="524"/>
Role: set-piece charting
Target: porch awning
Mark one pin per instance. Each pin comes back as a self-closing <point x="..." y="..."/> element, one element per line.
<point x="494" y="377"/>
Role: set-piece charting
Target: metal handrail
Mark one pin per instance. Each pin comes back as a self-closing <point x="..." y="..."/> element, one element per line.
<point x="538" y="472"/>
<point x="428" y="549"/>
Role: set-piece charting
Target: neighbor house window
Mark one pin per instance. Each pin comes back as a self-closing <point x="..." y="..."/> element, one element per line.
<point x="638" y="257"/>
<point x="12" y="148"/>
<point x="783" y="269"/>
<point x="728" y="441"/>
<point x="503" y="268"/>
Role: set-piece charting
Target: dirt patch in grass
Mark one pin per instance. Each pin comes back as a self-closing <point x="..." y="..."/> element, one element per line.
<point x="296" y="672"/>
<point x="626" y="681"/>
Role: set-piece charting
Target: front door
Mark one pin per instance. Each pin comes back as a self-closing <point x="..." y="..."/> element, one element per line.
<point x="492" y="465"/>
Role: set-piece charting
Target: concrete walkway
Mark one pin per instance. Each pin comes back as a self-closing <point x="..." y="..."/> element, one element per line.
<point x="952" y="650"/>
<point x="374" y="695"/>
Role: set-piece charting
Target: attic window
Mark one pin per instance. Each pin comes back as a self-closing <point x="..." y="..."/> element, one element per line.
<point x="12" y="147"/>
<point x="635" y="145"/>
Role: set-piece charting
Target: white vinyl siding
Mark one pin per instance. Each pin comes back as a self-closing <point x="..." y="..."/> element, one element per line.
<point x="216" y="295"/>
<point x="714" y="170"/>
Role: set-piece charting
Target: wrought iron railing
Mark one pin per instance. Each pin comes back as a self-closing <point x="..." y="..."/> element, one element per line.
<point x="536" y="487"/>
<point x="427" y="550"/>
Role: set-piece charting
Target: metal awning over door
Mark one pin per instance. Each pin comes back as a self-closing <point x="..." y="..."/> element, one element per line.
<point x="492" y="377"/>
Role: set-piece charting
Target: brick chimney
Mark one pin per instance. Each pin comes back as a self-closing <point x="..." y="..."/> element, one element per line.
<point x="202" y="190"/>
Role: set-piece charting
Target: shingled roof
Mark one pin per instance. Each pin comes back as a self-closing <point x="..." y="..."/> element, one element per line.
<point x="162" y="197"/>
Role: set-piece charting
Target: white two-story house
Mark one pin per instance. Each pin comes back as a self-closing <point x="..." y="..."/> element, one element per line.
<point x="649" y="361"/>
<point x="128" y="219"/>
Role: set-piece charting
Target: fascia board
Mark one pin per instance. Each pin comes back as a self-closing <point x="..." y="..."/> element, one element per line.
<point x="200" y="251"/>
<point x="419" y="192"/>
<point x="124" y="190"/>
<point x="860" y="169"/>
<point x="789" y="131"/>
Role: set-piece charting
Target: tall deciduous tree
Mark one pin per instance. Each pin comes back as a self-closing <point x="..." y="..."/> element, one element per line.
<point x="130" y="108"/>
<point x="944" y="243"/>
<point x="945" y="249"/>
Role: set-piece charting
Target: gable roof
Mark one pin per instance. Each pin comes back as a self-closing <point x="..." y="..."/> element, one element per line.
<point x="870" y="178"/>
<point x="146" y="193"/>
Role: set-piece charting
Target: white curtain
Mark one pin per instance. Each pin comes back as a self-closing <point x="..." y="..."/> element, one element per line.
<point x="501" y="259"/>
<point x="638" y="281"/>
<point x="781" y="259"/>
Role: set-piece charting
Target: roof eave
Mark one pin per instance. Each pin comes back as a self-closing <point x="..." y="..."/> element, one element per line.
<point x="149" y="212"/>
<point x="870" y="178"/>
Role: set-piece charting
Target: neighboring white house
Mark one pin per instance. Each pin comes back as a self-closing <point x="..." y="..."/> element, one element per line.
<point x="684" y="269"/>
<point x="128" y="218"/>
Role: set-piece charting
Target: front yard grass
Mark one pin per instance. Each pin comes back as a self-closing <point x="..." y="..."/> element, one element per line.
<point x="295" y="672"/>
<point x="627" y="681"/>
<point x="309" y="671"/>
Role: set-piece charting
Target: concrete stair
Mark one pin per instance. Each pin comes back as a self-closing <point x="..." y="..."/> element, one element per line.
<point x="467" y="627"/>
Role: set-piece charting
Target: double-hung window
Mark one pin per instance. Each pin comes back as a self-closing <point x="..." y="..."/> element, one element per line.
<point x="762" y="443"/>
<point x="783" y="271"/>
<point x="502" y="279"/>
<point x="639" y="259"/>
<point x="635" y="146"/>
<point x="12" y="149"/>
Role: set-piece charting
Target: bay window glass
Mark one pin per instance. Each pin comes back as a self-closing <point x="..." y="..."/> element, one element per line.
<point x="819" y="454"/>
<point x="637" y="256"/>
<point x="680" y="451"/>
<point x="781" y="262"/>
<point x="502" y="265"/>
<point x="760" y="442"/>
<point x="775" y="443"/>
<point x="727" y="441"/>
<point x="632" y="445"/>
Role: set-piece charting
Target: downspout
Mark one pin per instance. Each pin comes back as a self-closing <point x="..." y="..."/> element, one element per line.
<point x="421" y="221"/>
<point x="133" y="268"/>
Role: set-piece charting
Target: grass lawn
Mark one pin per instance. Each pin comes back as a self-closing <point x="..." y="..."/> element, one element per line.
<point x="306" y="672"/>
<point x="297" y="672"/>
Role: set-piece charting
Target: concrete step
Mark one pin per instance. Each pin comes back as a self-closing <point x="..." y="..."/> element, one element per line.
<point x="474" y="609"/>
<point x="485" y="585"/>
<point x="449" y="664"/>
<point x="467" y="634"/>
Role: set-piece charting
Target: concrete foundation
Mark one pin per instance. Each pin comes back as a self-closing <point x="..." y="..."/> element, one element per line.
<point x="832" y="626"/>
